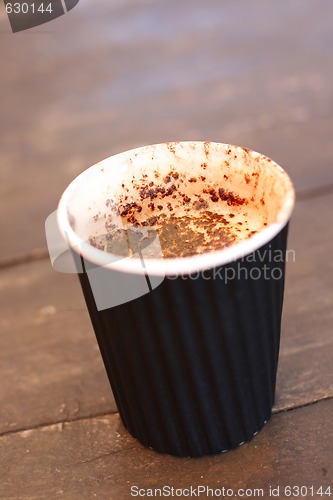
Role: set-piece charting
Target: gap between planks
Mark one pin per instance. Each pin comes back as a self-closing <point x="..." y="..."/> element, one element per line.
<point x="275" y="411"/>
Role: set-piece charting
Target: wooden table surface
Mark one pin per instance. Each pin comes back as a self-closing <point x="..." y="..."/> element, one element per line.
<point x="109" y="76"/>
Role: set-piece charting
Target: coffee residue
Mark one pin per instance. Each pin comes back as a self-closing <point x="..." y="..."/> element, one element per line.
<point x="187" y="220"/>
<point x="179" y="236"/>
<point x="186" y="236"/>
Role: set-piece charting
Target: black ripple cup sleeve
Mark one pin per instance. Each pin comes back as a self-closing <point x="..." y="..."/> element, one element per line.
<point x="180" y="249"/>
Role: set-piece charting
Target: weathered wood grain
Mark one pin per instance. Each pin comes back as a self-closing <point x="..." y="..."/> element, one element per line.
<point x="305" y="367"/>
<point x="51" y="368"/>
<point x="121" y="74"/>
<point x="96" y="458"/>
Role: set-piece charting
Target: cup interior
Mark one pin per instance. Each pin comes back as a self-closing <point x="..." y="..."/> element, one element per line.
<point x="250" y="192"/>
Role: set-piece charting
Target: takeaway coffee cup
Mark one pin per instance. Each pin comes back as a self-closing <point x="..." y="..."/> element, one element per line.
<point x="181" y="250"/>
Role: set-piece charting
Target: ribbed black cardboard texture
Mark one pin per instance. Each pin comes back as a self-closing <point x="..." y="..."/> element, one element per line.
<point x="193" y="363"/>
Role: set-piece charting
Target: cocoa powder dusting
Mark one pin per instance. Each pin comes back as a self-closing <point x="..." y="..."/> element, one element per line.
<point x="186" y="236"/>
<point x="231" y="198"/>
<point x="186" y="225"/>
<point x="179" y="236"/>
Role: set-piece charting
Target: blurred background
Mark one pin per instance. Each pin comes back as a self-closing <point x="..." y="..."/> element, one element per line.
<point x="112" y="75"/>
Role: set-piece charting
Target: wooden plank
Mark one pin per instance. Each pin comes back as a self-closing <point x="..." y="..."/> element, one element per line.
<point x="305" y="368"/>
<point x="197" y="77"/>
<point x="96" y="458"/>
<point x="51" y="368"/>
<point x="52" y="371"/>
